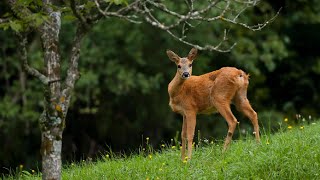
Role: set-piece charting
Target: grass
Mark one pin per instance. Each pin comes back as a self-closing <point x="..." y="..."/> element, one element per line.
<point x="291" y="154"/>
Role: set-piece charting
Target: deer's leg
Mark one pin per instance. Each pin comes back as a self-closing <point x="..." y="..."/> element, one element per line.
<point x="225" y="111"/>
<point x="191" y="125"/>
<point x="244" y="106"/>
<point x="183" y="137"/>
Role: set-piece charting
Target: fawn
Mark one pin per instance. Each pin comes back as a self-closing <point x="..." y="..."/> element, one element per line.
<point x="208" y="93"/>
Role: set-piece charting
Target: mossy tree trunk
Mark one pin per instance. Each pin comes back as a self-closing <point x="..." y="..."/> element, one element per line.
<point x="52" y="119"/>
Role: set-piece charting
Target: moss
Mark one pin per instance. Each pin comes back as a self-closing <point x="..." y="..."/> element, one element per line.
<point x="46" y="146"/>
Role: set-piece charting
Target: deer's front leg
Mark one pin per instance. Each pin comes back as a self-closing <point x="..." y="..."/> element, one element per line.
<point x="191" y="125"/>
<point x="183" y="138"/>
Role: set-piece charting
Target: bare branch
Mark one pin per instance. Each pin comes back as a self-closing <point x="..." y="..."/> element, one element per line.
<point x="24" y="60"/>
<point x="206" y="47"/>
<point x="256" y="27"/>
<point x="121" y="13"/>
<point x="215" y="10"/>
<point x="222" y="12"/>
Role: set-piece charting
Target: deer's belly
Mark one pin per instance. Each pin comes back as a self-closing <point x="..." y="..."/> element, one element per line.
<point x="209" y="110"/>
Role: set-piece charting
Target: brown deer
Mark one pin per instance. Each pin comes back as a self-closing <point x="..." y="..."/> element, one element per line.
<point x="208" y="93"/>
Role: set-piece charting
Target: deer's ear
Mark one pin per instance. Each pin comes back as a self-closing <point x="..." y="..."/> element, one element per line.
<point x="192" y="54"/>
<point x="172" y="56"/>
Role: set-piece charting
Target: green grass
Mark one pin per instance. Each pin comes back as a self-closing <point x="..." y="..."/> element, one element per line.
<point x="293" y="154"/>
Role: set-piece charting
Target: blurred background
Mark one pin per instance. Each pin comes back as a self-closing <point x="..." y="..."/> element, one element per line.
<point x="121" y="97"/>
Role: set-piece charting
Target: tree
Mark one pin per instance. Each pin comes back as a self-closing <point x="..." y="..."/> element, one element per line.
<point x="44" y="18"/>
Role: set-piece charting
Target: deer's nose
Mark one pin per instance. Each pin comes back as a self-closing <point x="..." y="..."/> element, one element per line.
<point x="185" y="74"/>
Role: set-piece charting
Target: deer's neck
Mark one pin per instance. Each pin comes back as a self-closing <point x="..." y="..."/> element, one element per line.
<point x="175" y="85"/>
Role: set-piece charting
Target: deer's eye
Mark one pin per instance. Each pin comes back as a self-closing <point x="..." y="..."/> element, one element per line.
<point x="190" y="65"/>
<point x="179" y="66"/>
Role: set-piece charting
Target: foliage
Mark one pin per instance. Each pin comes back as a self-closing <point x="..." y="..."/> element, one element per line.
<point x="290" y="154"/>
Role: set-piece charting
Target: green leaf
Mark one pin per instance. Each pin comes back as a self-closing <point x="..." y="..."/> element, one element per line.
<point x="4" y="26"/>
<point x="117" y="2"/>
<point x="25" y="2"/>
<point x="89" y="5"/>
<point x="69" y="17"/>
<point x="15" y="26"/>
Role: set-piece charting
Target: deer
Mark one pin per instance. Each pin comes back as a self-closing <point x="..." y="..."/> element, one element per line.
<point x="213" y="92"/>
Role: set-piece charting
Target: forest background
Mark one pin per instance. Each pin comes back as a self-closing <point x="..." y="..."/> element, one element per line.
<point x="121" y="97"/>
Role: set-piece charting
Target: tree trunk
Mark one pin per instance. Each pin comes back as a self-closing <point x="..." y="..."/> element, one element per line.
<point x="52" y="119"/>
<point x="51" y="145"/>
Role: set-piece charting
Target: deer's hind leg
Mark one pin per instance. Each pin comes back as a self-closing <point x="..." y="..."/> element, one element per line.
<point x="225" y="111"/>
<point x="243" y="105"/>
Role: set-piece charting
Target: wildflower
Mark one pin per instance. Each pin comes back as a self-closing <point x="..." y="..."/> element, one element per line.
<point x="206" y="140"/>
<point x="33" y="171"/>
<point x="107" y="156"/>
<point x="285" y="119"/>
<point x="184" y="161"/>
<point x="72" y="164"/>
<point x="173" y="147"/>
<point x="150" y="156"/>
<point x="309" y="117"/>
<point x="143" y="149"/>
<point x="301" y="127"/>
<point x="298" y="116"/>
<point x="162" y="145"/>
<point x="289" y="127"/>
<point x="171" y="140"/>
<point x="211" y="142"/>
<point x="21" y="166"/>
<point x="147" y="138"/>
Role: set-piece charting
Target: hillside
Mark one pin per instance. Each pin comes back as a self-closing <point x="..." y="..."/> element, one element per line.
<point x="291" y="154"/>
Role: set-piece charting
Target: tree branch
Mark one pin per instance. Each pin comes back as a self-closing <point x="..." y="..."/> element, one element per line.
<point x="4" y="20"/>
<point x="78" y="15"/>
<point x="24" y="60"/>
<point x="22" y="13"/>
<point x="121" y="13"/>
<point x="195" y="14"/>
<point x="73" y="72"/>
<point x="256" y="27"/>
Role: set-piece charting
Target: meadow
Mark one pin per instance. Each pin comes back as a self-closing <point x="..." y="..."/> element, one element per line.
<point x="292" y="153"/>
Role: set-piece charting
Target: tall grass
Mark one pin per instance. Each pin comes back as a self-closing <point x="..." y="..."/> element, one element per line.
<point x="291" y="154"/>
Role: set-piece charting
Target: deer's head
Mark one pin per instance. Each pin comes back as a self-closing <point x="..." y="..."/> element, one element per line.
<point x="184" y="65"/>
